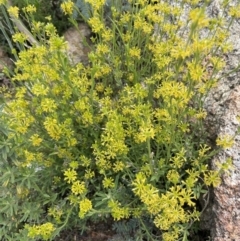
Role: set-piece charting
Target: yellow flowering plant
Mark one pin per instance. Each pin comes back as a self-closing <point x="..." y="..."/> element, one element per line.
<point x="122" y="136"/>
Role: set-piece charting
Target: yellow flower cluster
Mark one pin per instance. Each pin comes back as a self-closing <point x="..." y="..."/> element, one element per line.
<point x="19" y="37"/>
<point x="44" y="231"/>
<point x="53" y="128"/>
<point x="112" y="140"/>
<point x="67" y="7"/>
<point x="85" y="206"/>
<point x="13" y="11"/>
<point x="174" y="93"/>
<point x="70" y="175"/>
<point x="56" y="213"/>
<point x="21" y="117"/>
<point x="167" y="208"/>
<point x="234" y="11"/>
<point x="125" y="119"/>
<point x="212" y="178"/>
<point x="225" y="141"/>
<point x="198" y="18"/>
<point x="30" y="9"/>
<point x="108" y="182"/>
<point x="96" y="24"/>
<point x="78" y="188"/>
<point x="117" y="211"/>
<point x="97" y="5"/>
<point x="36" y="140"/>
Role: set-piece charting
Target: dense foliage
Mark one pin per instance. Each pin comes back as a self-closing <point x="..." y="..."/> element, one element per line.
<point x="44" y="10"/>
<point x="122" y="137"/>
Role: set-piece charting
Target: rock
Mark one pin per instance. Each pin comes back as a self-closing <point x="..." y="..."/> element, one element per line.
<point x="226" y="197"/>
<point x="223" y="107"/>
<point x="78" y="43"/>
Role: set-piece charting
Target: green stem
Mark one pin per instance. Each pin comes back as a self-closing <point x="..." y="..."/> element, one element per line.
<point x="145" y="228"/>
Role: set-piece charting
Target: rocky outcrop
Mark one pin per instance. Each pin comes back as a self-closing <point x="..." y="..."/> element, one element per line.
<point x="78" y="43"/>
<point x="223" y="107"/>
<point x="226" y="197"/>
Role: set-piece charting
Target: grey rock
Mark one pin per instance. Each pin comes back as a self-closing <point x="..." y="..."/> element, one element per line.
<point x="226" y="197"/>
<point x="78" y="43"/>
<point x="223" y="107"/>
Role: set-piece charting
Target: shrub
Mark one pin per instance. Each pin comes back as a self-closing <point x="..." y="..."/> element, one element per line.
<point x="122" y="137"/>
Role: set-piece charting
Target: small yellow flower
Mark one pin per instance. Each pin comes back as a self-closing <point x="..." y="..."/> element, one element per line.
<point x="53" y="128"/>
<point x="225" y="141"/>
<point x="196" y="71"/>
<point x="135" y="52"/>
<point x="48" y="105"/>
<point x="37" y="26"/>
<point x="107" y="35"/>
<point x="84" y="161"/>
<point x="70" y="175"/>
<point x="96" y="24"/>
<point x="126" y="37"/>
<point x="118" y="166"/>
<point x="36" y="140"/>
<point x="56" y="180"/>
<point x="50" y="29"/>
<point x="89" y="174"/>
<point x="29" y="156"/>
<point x="137" y="212"/>
<point x="56" y="213"/>
<point x="78" y="187"/>
<point x="30" y="9"/>
<point x="125" y="18"/>
<point x="2" y="2"/>
<point x="74" y="164"/>
<point x="67" y="7"/>
<point x="39" y="89"/>
<point x="201" y="114"/>
<point x="22" y="192"/>
<point x="57" y="43"/>
<point x="234" y="11"/>
<point x="198" y="18"/>
<point x="85" y="205"/>
<point x="102" y="49"/>
<point x="120" y="213"/>
<point x="45" y="230"/>
<point x="203" y="150"/>
<point x="71" y="142"/>
<point x="108" y="182"/>
<point x="145" y="133"/>
<point x="49" y="18"/>
<point x="170" y="236"/>
<point x="96" y="4"/>
<point x="212" y="178"/>
<point x="173" y="176"/>
<point x="19" y="37"/>
<point x="13" y="11"/>
<point x="100" y="87"/>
